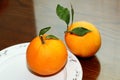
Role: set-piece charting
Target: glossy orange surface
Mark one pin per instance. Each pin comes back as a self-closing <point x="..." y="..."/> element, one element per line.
<point x="20" y="18"/>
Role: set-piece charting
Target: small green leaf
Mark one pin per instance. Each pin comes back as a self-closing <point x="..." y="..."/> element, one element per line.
<point x="51" y="37"/>
<point x="44" y="30"/>
<point x="72" y="13"/>
<point x="63" y="13"/>
<point x="80" y="31"/>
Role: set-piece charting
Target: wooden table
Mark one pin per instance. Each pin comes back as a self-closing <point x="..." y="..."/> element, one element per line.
<point x="18" y="24"/>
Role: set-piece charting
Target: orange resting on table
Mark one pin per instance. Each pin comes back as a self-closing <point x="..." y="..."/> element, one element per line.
<point x="48" y="58"/>
<point x="83" y="46"/>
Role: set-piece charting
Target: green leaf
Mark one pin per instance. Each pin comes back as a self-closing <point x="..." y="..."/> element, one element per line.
<point x="51" y="37"/>
<point x="72" y="13"/>
<point x="44" y="30"/>
<point x="63" y="13"/>
<point x="80" y="31"/>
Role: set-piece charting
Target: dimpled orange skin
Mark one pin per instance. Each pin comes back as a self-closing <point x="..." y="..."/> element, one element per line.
<point x="83" y="46"/>
<point x="48" y="58"/>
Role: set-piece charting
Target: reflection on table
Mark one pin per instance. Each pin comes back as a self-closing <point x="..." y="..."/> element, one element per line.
<point x="105" y="14"/>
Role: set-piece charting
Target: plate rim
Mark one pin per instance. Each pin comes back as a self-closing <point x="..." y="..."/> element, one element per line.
<point x="77" y="76"/>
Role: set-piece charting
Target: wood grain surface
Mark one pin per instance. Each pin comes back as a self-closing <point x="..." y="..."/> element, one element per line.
<point x="17" y="23"/>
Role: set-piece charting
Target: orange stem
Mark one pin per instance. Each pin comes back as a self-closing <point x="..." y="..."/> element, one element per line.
<point x="42" y="40"/>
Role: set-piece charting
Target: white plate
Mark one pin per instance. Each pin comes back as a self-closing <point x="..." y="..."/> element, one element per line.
<point x="13" y="66"/>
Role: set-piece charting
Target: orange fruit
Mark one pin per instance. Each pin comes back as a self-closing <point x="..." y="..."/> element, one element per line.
<point x="82" y="38"/>
<point x="83" y="46"/>
<point x="46" y="58"/>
